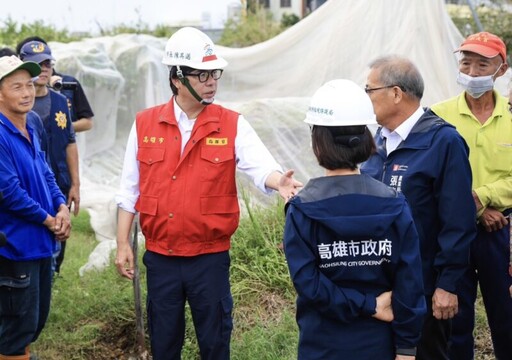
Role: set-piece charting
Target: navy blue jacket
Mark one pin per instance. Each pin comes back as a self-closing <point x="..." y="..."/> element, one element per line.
<point x="59" y="134"/>
<point x="432" y="170"/>
<point x="347" y="239"/>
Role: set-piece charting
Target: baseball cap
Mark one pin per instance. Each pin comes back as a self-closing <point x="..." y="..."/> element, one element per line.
<point x="485" y="44"/>
<point x="36" y="51"/>
<point x="9" y="64"/>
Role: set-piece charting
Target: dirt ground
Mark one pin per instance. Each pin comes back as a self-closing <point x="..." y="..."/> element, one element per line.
<point x="118" y="343"/>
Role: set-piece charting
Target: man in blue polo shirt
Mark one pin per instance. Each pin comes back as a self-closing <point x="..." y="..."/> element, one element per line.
<point x="33" y="215"/>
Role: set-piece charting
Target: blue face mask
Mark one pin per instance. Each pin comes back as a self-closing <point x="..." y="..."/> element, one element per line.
<point x="478" y="85"/>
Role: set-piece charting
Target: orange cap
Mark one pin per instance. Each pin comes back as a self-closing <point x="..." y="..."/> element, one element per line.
<point x="486" y="44"/>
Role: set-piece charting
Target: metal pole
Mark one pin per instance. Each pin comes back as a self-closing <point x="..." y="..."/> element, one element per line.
<point x="475" y="16"/>
<point x="139" y="318"/>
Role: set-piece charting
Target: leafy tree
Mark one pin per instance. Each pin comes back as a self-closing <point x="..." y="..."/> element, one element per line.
<point x="164" y="31"/>
<point x="257" y="26"/>
<point x="493" y="19"/>
<point x="288" y="20"/>
<point x="12" y="32"/>
<point x="252" y="29"/>
<point x="253" y="6"/>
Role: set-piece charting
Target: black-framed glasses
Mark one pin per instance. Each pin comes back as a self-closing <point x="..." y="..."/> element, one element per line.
<point x="370" y="90"/>
<point x="204" y="75"/>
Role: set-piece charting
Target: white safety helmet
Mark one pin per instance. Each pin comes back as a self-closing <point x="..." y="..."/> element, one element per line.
<point x="193" y="48"/>
<point x="340" y="103"/>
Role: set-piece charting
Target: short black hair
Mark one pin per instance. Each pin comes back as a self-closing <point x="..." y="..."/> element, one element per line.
<point x="7" y="51"/>
<point x="342" y="147"/>
<point x="26" y="40"/>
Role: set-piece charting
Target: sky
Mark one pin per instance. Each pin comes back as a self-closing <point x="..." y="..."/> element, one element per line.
<point x="92" y="15"/>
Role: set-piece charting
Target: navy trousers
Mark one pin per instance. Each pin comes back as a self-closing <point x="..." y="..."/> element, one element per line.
<point x="201" y="280"/>
<point x="490" y="256"/>
<point x="25" y="292"/>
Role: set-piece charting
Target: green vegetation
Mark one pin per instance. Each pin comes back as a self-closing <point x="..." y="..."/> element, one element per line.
<point x="495" y="20"/>
<point x="92" y="317"/>
<point x="257" y="26"/>
<point x="11" y="32"/>
<point x="253" y="29"/>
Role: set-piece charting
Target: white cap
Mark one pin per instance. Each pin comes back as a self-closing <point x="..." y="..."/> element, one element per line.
<point x="9" y="64"/>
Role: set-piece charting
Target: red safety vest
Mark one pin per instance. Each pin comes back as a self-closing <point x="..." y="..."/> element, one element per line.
<point x="188" y="204"/>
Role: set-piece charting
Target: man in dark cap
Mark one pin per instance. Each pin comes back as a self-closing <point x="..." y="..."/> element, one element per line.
<point x="60" y="144"/>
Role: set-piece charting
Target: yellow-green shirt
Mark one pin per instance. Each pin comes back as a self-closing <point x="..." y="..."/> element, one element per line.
<point x="490" y="148"/>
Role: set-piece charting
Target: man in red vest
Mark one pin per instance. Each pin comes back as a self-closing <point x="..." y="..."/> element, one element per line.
<point x="179" y="175"/>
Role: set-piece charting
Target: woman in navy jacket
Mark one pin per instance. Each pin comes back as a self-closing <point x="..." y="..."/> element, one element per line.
<point x="351" y="244"/>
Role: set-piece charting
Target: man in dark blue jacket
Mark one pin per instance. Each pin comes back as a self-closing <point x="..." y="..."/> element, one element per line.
<point x="422" y="156"/>
<point x="60" y="143"/>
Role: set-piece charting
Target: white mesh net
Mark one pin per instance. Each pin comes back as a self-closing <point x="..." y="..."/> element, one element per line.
<point x="270" y="83"/>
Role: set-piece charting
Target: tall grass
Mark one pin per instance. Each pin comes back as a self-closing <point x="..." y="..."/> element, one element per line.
<point x="92" y="317"/>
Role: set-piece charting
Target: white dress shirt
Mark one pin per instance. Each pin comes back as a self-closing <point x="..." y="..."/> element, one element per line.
<point x="394" y="138"/>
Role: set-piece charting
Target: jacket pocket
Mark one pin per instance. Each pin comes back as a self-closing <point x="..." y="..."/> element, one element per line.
<point x="219" y="162"/>
<point x="14" y="300"/>
<point x="149" y="159"/>
<point x="148" y="205"/>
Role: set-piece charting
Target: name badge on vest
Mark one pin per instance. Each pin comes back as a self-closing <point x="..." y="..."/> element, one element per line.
<point x="217" y="141"/>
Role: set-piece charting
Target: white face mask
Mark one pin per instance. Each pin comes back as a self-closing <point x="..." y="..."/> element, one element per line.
<point x="478" y="85"/>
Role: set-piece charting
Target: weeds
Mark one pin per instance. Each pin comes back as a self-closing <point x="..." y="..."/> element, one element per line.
<point x="92" y="317"/>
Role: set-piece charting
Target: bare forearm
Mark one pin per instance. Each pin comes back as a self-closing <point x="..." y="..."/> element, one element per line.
<point x="478" y="204"/>
<point x="124" y="254"/>
<point x="285" y="184"/>
<point x="124" y="224"/>
<point x="272" y="181"/>
<point x="82" y="124"/>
